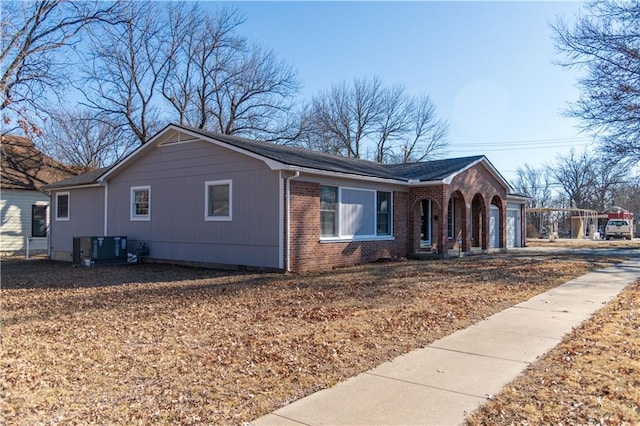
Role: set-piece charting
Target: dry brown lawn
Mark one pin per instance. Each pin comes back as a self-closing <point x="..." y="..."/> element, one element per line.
<point x="159" y="344"/>
<point x="591" y="378"/>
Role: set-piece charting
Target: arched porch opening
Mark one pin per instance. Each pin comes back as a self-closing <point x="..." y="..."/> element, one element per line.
<point x="427" y="213"/>
<point x="456" y="220"/>
<point x="478" y="222"/>
<point x="496" y="223"/>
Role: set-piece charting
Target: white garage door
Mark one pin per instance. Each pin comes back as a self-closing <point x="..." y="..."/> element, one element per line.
<point x="513" y="228"/>
<point x="494" y="222"/>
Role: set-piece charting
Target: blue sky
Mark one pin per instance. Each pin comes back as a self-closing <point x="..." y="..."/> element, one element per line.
<point x="487" y="66"/>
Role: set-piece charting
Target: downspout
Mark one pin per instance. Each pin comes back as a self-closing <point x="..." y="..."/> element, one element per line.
<point x="106" y="208"/>
<point x="288" y="183"/>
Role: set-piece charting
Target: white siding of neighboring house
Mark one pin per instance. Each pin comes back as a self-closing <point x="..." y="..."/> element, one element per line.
<point x="15" y="210"/>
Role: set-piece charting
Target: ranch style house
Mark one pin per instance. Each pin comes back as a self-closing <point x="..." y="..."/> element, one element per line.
<point x="196" y="197"/>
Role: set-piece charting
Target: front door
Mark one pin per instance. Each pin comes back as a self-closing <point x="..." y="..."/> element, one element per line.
<point x="425" y="224"/>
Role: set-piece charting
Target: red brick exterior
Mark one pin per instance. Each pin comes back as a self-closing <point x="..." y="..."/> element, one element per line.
<point x="473" y="192"/>
<point x="308" y="253"/>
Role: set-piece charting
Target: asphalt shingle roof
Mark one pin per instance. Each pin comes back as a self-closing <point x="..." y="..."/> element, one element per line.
<point x="299" y="157"/>
<point x="25" y="167"/>
<point x="80" y="180"/>
<point x="422" y="171"/>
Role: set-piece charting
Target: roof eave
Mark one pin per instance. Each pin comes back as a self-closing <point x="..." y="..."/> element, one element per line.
<point x="65" y="187"/>
<point x="417" y="182"/>
<point x="354" y="176"/>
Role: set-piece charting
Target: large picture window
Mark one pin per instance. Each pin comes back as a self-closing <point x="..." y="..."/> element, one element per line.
<point x="353" y="213"/>
<point x="141" y="203"/>
<point x="218" y="200"/>
<point x="62" y="206"/>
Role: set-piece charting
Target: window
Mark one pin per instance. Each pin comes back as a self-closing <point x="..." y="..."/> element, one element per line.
<point x="218" y="196"/>
<point x="38" y="221"/>
<point x="383" y="213"/>
<point x="141" y="203"/>
<point x="450" y="216"/>
<point x="328" y="211"/>
<point x="62" y="206"/>
<point x="355" y="213"/>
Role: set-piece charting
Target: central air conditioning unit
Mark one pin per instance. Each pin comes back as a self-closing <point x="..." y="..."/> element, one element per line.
<point x="94" y="250"/>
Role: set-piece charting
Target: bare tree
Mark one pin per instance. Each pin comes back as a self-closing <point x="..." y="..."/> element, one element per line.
<point x="427" y="137"/>
<point x="588" y="182"/>
<point x="193" y="62"/>
<point x="627" y="195"/>
<point x="535" y="184"/>
<point x="79" y="138"/>
<point x="608" y="176"/>
<point x="606" y="45"/>
<point x="394" y="122"/>
<point x="37" y="38"/>
<point x="348" y="114"/>
<point x="349" y="118"/>
<point x="253" y="95"/>
<point x="123" y="75"/>
<point x="200" y="49"/>
<point x="574" y="174"/>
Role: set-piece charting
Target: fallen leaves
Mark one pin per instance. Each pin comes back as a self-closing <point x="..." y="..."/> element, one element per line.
<point x="590" y="378"/>
<point x="164" y="344"/>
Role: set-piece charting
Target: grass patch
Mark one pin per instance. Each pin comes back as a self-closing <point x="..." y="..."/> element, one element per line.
<point x="160" y="344"/>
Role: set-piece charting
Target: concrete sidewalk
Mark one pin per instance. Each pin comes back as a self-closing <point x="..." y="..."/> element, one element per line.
<point x="440" y="384"/>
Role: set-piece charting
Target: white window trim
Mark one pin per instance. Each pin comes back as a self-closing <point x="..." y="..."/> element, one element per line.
<point x="132" y="207"/>
<point x="209" y="183"/>
<point x="373" y="237"/>
<point x="63" y="219"/>
<point x="390" y="216"/>
<point x="338" y="202"/>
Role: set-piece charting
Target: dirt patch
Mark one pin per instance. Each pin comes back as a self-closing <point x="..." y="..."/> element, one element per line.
<point x="159" y="344"/>
<point x="592" y="377"/>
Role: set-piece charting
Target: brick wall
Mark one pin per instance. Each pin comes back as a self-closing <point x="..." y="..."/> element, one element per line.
<point x="475" y="180"/>
<point x="308" y="253"/>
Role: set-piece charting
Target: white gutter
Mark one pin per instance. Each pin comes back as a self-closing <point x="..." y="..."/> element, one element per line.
<point x="288" y="183"/>
<point x="281" y="214"/>
<point x="106" y="208"/>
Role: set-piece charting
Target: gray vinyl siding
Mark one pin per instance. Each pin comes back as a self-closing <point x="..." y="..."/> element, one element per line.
<point x="177" y="229"/>
<point x="16" y="219"/>
<point x="86" y="218"/>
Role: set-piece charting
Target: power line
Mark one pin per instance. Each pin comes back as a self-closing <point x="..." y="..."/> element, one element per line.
<point x="519" y="148"/>
<point x="529" y="142"/>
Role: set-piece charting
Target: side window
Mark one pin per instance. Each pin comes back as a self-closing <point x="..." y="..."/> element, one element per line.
<point x="62" y="206"/>
<point x="218" y="197"/>
<point x="383" y="213"/>
<point x="328" y="211"/>
<point x="38" y="221"/>
<point x="141" y="203"/>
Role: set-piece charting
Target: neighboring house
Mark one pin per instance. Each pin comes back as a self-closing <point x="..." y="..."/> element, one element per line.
<point x="198" y="197"/>
<point x="23" y="206"/>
